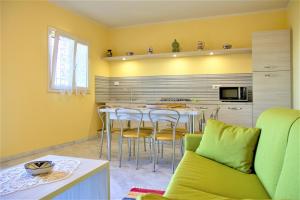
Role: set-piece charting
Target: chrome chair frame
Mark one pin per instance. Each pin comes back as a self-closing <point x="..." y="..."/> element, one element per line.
<point x="125" y="114"/>
<point x="159" y="115"/>
<point x="213" y="115"/>
<point x="103" y="129"/>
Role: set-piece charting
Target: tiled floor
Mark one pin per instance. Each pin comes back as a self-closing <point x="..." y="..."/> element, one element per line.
<point x="124" y="178"/>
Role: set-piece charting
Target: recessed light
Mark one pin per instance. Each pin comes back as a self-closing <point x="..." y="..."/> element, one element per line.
<point x="174" y="55"/>
<point x="211" y="53"/>
<point x="123" y="58"/>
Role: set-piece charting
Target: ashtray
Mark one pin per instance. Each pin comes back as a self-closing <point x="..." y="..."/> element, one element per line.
<point x="39" y="167"/>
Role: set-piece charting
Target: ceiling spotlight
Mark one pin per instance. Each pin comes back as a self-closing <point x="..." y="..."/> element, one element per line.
<point x="174" y="55"/>
<point x="211" y="53"/>
<point x="123" y="58"/>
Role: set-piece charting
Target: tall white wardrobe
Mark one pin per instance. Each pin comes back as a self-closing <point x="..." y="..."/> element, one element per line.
<point x="271" y="70"/>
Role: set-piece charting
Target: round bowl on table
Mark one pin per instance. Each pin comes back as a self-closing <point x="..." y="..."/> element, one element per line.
<point x="39" y="167"/>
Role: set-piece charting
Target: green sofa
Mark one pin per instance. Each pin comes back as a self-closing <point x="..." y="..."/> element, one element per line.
<point x="276" y="166"/>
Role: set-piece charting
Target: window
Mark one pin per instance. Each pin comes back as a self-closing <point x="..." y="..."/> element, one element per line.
<point x="68" y="63"/>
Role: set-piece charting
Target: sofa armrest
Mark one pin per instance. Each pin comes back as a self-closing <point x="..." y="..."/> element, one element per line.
<point x="192" y="141"/>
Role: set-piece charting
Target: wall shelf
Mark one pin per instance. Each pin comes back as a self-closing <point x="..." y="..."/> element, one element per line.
<point x="181" y="54"/>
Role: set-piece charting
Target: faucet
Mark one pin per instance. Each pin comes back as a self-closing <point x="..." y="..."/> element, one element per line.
<point x="131" y="95"/>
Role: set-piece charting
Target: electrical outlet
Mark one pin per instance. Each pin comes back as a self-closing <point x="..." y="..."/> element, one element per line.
<point x="216" y="86"/>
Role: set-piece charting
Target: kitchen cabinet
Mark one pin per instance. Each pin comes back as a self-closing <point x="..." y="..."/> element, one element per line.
<point x="272" y="89"/>
<point x="237" y="114"/>
<point x="271" y="50"/>
<point x="272" y="71"/>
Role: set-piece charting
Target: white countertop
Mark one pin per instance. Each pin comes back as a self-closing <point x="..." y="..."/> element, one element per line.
<point x="184" y="102"/>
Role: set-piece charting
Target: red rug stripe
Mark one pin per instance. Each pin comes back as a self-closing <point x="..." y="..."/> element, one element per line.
<point x="141" y="190"/>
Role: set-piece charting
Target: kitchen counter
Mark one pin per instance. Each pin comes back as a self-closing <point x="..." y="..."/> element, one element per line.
<point x="184" y="102"/>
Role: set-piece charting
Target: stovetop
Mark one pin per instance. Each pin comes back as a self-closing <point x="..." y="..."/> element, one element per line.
<point x="175" y="99"/>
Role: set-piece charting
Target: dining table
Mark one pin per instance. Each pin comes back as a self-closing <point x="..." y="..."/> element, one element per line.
<point x="187" y="115"/>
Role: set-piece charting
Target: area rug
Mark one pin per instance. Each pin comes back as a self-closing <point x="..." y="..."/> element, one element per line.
<point x="134" y="192"/>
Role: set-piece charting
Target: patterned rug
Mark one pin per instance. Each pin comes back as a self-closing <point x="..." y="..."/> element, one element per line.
<point x="134" y="192"/>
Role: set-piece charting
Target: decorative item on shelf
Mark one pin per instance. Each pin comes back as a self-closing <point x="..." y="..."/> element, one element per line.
<point x="150" y="50"/>
<point x="227" y="46"/>
<point x="129" y="53"/>
<point x="175" y="46"/>
<point x="109" y="53"/>
<point x="200" y="45"/>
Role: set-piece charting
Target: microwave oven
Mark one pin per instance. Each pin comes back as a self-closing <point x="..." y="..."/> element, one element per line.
<point x="233" y="94"/>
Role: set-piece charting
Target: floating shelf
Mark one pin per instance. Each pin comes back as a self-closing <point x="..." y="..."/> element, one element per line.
<point x="181" y="54"/>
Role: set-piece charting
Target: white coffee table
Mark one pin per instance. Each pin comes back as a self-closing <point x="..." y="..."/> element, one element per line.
<point x="89" y="181"/>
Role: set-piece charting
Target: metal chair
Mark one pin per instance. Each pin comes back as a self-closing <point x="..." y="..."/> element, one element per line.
<point x="202" y="122"/>
<point x="172" y="117"/>
<point x="215" y="113"/>
<point x="103" y="129"/>
<point x="125" y="114"/>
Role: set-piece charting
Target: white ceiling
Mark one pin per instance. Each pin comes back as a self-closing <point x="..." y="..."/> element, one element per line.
<point x="126" y="13"/>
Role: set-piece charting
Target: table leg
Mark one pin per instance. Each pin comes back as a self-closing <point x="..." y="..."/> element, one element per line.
<point x="190" y="124"/>
<point x="108" y="134"/>
<point x="193" y="123"/>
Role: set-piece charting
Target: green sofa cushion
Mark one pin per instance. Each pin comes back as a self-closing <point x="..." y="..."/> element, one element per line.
<point x="231" y="145"/>
<point x="288" y="186"/>
<point x="197" y="175"/>
<point x="192" y="141"/>
<point x="275" y="125"/>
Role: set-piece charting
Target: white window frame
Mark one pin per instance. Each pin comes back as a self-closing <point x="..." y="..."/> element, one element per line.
<point x="76" y="40"/>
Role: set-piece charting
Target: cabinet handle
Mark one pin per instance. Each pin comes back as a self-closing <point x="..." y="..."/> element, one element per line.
<point x="234" y="108"/>
<point x="268" y="67"/>
<point x="203" y="107"/>
<point x="267" y="75"/>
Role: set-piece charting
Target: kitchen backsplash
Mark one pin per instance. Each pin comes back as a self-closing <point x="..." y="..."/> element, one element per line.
<point x="202" y="87"/>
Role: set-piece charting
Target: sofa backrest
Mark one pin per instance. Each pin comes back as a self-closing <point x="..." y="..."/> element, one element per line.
<point x="275" y="125"/>
<point x="288" y="186"/>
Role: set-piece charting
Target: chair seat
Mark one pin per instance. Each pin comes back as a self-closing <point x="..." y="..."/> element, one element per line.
<point x="117" y="130"/>
<point x="146" y="128"/>
<point x="168" y="136"/>
<point x="198" y="132"/>
<point x="132" y="133"/>
<point x="113" y="130"/>
<point x="179" y="130"/>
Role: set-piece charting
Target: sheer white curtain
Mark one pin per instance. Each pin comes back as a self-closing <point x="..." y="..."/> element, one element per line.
<point x="63" y="64"/>
<point x="68" y="64"/>
<point x="81" y="71"/>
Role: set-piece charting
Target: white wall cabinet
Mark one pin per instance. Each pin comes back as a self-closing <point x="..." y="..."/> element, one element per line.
<point x="272" y="75"/>
<point x="271" y="50"/>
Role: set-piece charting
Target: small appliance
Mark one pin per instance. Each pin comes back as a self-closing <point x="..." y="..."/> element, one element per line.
<point x="233" y="94"/>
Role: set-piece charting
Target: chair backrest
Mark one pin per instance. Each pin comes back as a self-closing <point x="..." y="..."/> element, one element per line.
<point x="129" y="114"/>
<point x="215" y="114"/>
<point x="164" y="115"/>
<point x="102" y="114"/>
<point x="277" y="152"/>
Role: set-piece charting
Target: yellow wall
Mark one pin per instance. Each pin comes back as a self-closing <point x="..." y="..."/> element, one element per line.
<point x="294" y="21"/>
<point x="33" y="118"/>
<point x="236" y="30"/>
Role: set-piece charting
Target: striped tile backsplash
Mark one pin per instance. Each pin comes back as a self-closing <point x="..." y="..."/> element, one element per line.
<point x="152" y="88"/>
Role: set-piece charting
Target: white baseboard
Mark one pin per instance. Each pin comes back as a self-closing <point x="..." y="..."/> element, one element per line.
<point x="54" y="147"/>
